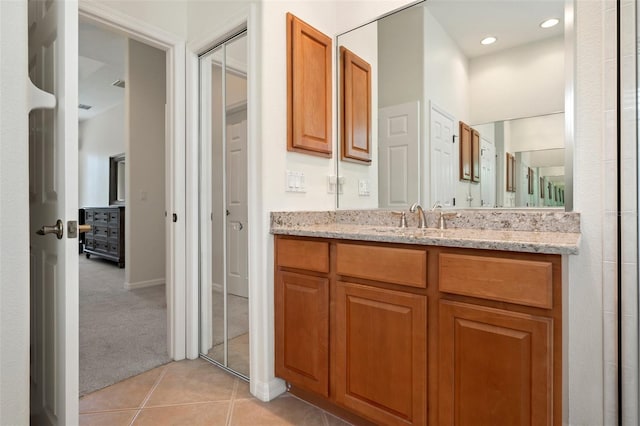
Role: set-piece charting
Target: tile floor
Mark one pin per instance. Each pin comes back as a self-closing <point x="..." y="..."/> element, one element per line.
<point x="194" y="393"/>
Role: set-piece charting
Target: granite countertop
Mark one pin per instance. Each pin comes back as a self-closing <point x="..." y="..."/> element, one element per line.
<point x="531" y="241"/>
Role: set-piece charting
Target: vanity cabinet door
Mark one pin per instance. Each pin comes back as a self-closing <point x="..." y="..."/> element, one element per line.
<point x="381" y="354"/>
<point x="495" y="367"/>
<point x="302" y="330"/>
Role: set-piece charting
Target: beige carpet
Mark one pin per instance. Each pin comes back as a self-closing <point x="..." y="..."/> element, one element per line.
<point x="122" y="332"/>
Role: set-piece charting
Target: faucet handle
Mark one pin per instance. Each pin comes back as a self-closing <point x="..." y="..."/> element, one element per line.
<point x="403" y="218"/>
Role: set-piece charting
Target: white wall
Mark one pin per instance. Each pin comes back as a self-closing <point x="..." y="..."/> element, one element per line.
<point x="100" y="138"/>
<point x="537" y="133"/>
<point x="532" y="74"/>
<point x="145" y="165"/>
<point x="14" y="216"/>
<point x="167" y="15"/>
<point x="583" y="302"/>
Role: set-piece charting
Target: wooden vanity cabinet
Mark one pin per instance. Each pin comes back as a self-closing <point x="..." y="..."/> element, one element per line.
<point x="381" y="356"/>
<point x="499" y="338"/>
<point x="401" y="334"/>
<point x="302" y="314"/>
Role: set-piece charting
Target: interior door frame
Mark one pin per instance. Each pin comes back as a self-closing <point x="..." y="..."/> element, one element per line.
<point x="175" y="171"/>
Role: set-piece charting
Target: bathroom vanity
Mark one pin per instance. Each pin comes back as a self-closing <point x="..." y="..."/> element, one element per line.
<point x="408" y="326"/>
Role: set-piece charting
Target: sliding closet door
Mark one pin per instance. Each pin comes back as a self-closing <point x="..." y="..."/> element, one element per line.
<point x="224" y="293"/>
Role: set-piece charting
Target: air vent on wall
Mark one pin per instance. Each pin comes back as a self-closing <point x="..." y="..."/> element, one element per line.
<point x="83" y="106"/>
<point x="118" y="83"/>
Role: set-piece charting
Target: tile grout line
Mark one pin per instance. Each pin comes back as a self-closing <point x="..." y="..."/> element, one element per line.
<point x="153" y="388"/>
<point x="232" y="402"/>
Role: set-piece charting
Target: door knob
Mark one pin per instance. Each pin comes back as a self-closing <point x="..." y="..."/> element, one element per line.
<point x="57" y="229"/>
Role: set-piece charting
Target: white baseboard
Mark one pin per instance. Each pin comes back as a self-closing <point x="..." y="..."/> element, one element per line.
<point x="266" y="391"/>
<point x="143" y="284"/>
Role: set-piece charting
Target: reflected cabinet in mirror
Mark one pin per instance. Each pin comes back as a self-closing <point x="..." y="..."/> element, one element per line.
<point x="430" y="111"/>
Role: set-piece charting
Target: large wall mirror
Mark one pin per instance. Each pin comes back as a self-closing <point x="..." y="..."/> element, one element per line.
<point x="426" y="69"/>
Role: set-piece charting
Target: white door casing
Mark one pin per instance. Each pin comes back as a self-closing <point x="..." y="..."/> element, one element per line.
<point x="236" y="199"/>
<point x="488" y="173"/>
<point x="399" y="155"/>
<point x="442" y="130"/>
<point x="53" y="194"/>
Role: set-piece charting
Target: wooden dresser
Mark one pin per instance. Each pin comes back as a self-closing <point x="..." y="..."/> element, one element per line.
<point x="106" y="237"/>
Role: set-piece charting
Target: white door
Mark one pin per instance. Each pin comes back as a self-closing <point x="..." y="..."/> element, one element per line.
<point x="488" y="173"/>
<point x="236" y="196"/>
<point x="399" y="155"/>
<point x="53" y="187"/>
<point x="443" y="188"/>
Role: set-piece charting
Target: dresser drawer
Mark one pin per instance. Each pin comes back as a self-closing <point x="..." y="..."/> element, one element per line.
<point x="100" y="231"/>
<point x="114" y="232"/>
<point x="114" y="217"/>
<point x="88" y="216"/>
<point x="100" y="216"/>
<point x="89" y="244"/>
<point x="523" y="282"/>
<point x="387" y="264"/>
<point x="101" y="246"/>
<point x="301" y="254"/>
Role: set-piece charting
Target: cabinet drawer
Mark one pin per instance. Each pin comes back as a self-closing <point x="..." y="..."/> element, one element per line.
<point x="88" y="216"/>
<point x="100" y="231"/>
<point x="524" y="282"/>
<point x="114" y="217"/>
<point x="387" y="264"/>
<point x="113" y="248"/>
<point x="100" y="216"/>
<point x="101" y="246"/>
<point x="89" y="244"/>
<point x="114" y="232"/>
<point x="300" y="254"/>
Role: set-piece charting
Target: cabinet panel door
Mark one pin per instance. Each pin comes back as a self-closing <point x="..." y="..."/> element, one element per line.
<point x="309" y="54"/>
<point x="355" y="101"/>
<point x="495" y="367"/>
<point x="465" y="151"/>
<point x="302" y="331"/>
<point x="381" y="354"/>
<point x="475" y="155"/>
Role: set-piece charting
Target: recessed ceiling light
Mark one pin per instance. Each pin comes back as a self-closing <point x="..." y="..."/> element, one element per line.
<point x="489" y="40"/>
<point x="550" y="23"/>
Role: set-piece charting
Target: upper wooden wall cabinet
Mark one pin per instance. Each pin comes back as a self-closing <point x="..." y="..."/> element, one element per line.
<point x="465" y="151"/>
<point x="469" y="153"/>
<point x="309" y="54"/>
<point x="355" y="101"/>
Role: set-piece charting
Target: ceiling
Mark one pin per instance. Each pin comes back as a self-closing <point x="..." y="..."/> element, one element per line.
<point x="101" y="62"/>
<point x="513" y="22"/>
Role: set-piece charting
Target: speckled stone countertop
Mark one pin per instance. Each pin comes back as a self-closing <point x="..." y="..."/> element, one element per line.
<point x="523" y="231"/>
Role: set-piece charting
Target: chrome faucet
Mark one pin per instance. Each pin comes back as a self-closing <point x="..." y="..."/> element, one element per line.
<point x="435" y="206"/>
<point x="422" y="220"/>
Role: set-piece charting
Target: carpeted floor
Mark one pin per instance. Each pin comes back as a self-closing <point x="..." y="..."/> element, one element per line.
<point x="122" y="332"/>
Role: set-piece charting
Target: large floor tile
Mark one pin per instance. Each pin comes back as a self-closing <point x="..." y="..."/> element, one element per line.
<point x="209" y="413"/>
<point x="281" y="411"/>
<point x="113" y="418"/>
<point x="192" y="381"/>
<point x="129" y="393"/>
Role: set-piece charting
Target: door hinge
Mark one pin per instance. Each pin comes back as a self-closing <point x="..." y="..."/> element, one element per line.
<point x="454" y="201"/>
<point x="175" y="218"/>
